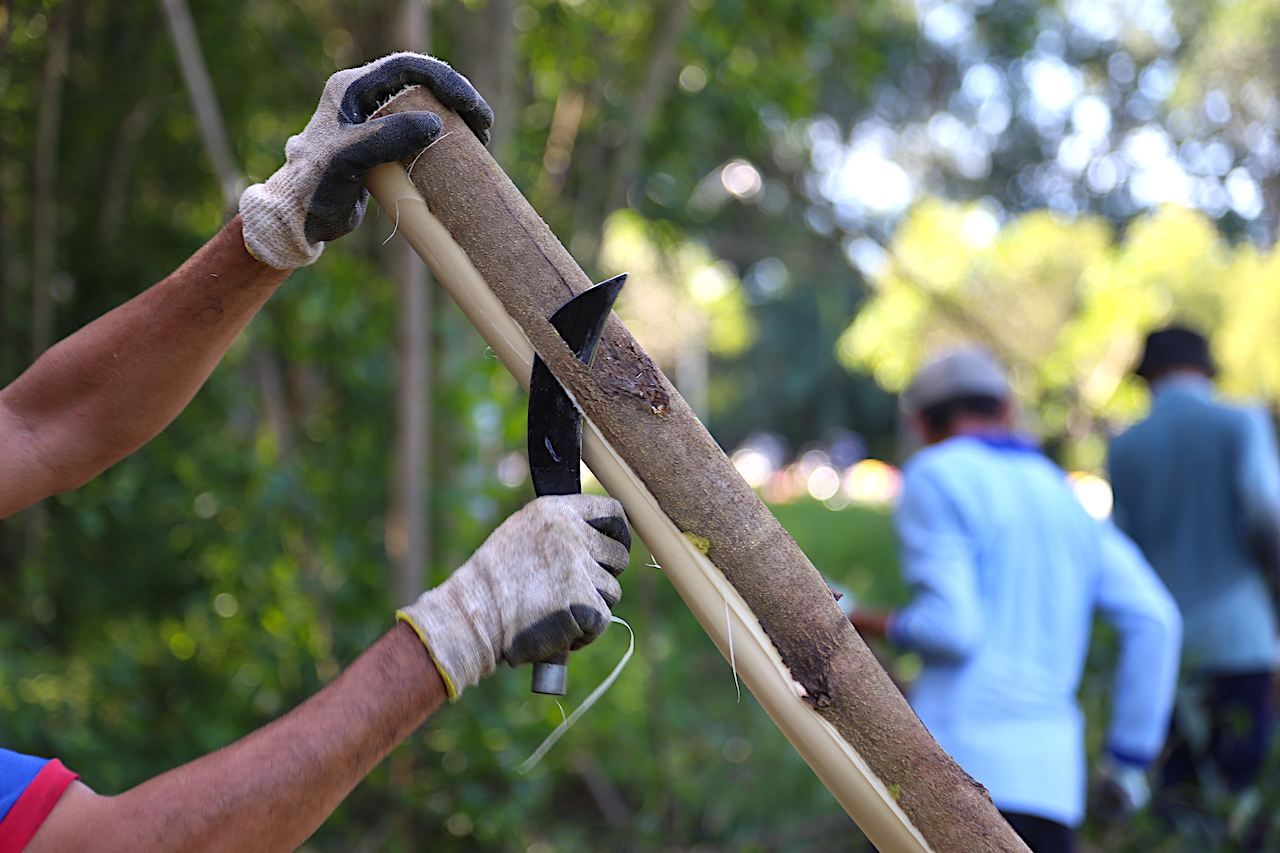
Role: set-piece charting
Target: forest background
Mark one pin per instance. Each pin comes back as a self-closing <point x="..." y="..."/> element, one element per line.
<point x="811" y="197"/>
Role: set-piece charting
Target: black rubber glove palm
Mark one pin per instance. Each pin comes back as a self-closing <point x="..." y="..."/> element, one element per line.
<point x="319" y="195"/>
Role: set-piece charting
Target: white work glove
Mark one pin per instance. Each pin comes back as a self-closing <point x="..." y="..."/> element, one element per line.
<point x="319" y="194"/>
<point x="1121" y="788"/>
<point x="544" y="581"/>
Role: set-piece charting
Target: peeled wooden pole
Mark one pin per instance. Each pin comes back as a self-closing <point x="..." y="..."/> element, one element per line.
<point x="744" y="578"/>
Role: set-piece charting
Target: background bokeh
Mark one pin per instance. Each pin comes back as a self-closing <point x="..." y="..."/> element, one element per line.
<point x="811" y="196"/>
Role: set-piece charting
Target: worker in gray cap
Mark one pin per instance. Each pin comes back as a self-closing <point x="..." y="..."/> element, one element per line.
<point x="1006" y="570"/>
<point x="1197" y="486"/>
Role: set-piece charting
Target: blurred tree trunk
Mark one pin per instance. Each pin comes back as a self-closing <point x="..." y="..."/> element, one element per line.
<point x="6" y="224"/>
<point x="486" y="55"/>
<point x="566" y="121"/>
<point x="204" y="101"/>
<point x="8" y="562"/>
<point x="663" y="72"/>
<point x="269" y="373"/>
<point x="270" y="378"/>
<point x="116" y="189"/>
<point x="409" y="521"/>
<point x="44" y="203"/>
<point x="45" y="222"/>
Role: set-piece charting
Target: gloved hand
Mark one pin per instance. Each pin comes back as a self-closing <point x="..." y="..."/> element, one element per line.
<point x="1120" y="789"/>
<point x="545" y="580"/>
<point x="319" y="193"/>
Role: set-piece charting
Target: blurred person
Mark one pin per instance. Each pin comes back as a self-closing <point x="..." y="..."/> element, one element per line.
<point x="1197" y="486"/>
<point x="545" y="580"/>
<point x="1006" y="570"/>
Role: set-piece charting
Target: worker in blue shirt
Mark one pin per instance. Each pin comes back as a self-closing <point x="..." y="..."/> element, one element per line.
<point x="1197" y="486"/>
<point x="1006" y="570"/>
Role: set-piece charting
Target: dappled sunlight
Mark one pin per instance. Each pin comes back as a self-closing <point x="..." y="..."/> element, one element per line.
<point x="1093" y="492"/>
<point x="818" y="475"/>
<point x="1066" y="306"/>
<point x="872" y="481"/>
<point x="681" y="301"/>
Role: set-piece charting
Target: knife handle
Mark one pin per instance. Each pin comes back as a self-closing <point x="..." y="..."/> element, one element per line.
<point x="551" y="675"/>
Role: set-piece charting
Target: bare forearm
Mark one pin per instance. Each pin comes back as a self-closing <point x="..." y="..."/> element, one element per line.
<point x="106" y="390"/>
<point x="269" y="791"/>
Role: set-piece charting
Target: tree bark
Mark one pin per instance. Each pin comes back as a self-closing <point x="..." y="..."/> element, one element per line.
<point x="119" y="171"/>
<point x="409" y="523"/>
<point x="204" y="100"/>
<point x="485" y="40"/>
<point x="7" y="350"/>
<point x="269" y="372"/>
<point x="45" y="203"/>
<point x="753" y="590"/>
<point x="663" y="72"/>
<point x="44" y="213"/>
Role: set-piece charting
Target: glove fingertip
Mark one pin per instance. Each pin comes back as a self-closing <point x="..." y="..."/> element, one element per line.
<point x="615" y="527"/>
<point x="592" y="622"/>
<point x="401" y="134"/>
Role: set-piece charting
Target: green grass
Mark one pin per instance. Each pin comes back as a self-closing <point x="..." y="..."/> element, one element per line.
<point x="853" y="547"/>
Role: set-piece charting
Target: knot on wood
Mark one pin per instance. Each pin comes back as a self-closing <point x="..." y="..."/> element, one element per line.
<point x="811" y="683"/>
<point x="636" y="376"/>
<point x="818" y="701"/>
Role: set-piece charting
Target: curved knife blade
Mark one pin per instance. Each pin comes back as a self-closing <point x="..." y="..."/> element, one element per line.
<point x="555" y="424"/>
<point x="555" y="427"/>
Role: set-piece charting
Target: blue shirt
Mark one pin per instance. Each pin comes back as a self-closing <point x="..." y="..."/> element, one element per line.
<point x="1007" y="570"/>
<point x="16" y="773"/>
<point x="29" y="789"/>
<point x="1193" y="483"/>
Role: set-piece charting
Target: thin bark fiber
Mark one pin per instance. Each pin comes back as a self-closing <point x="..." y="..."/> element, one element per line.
<point x="648" y="424"/>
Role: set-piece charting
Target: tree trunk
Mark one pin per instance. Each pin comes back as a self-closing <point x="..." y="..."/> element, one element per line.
<point x="485" y="53"/>
<point x="44" y="210"/>
<point x="45" y="203"/>
<point x="268" y="370"/>
<point x="408" y="527"/>
<point x="119" y="171"/>
<point x="6" y="221"/>
<point x="753" y="590"/>
<point x="204" y="100"/>
<point x="663" y="72"/>
<point x="408" y="539"/>
<point x="270" y="377"/>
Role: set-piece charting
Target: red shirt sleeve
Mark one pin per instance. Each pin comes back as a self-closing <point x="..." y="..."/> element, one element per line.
<point x="34" y="805"/>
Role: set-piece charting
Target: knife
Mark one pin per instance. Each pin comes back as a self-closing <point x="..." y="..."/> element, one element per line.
<point x="555" y="429"/>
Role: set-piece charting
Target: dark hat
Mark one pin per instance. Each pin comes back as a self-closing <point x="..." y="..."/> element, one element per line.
<point x="1171" y="348"/>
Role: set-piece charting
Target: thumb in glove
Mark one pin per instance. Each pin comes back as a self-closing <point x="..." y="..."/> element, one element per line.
<point x="319" y="195"/>
<point x="544" y="581"/>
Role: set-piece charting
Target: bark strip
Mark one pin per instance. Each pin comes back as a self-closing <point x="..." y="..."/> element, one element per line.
<point x="812" y="672"/>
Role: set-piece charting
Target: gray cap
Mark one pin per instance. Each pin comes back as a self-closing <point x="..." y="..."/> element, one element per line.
<point x="968" y="372"/>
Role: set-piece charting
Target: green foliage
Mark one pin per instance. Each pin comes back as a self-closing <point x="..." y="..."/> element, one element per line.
<point x="1066" y="305"/>
<point x="227" y="570"/>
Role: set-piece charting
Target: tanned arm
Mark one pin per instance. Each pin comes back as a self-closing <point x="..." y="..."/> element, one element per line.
<point x="545" y="580"/>
<point x="268" y="792"/>
<point x="106" y="390"/>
